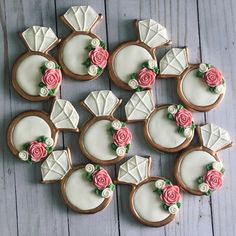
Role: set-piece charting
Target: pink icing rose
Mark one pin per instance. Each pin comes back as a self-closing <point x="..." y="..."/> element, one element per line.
<point x="99" y="57"/>
<point x="37" y="151"/>
<point x="122" y="137"/>
<point x="101" y="179"/>
<point x="183" y="118"/>
<point x="213" y="77"/>
<point x="146" y="78"/>
<point x="170" y="195"/>
<point x="214" y="179"/>
<point x="52" y="78"/>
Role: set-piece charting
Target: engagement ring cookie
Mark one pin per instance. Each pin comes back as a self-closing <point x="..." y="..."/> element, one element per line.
<point x="199" y="170"/>
<point x="82" y="54"/>
<point x="103" y="138"/>
<point x="32" y="135"/>
<point x="201" y="87"/>
<point x="154" y="201"/>
<point x="168" y="128"/>
<point x="85" y="189"/>
<point x="36" y="76"/>
<point x="133" y="64"/>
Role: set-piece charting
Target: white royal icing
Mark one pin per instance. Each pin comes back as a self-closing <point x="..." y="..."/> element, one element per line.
<point x="101" y="103"/>
<point x="98" y="140"/>
<point x="134" y="171"/>
<point x="214" y="137"/>
<point x="196" y="91"/>
<point x="193" y="166"/>
<point x="128" y="60"/>
<point x="80" y="192"/>
<point x="39" y="38"/>
<point x="56" y="165"/>
<point x="163" y="131"/>
<point x="29" y="129"/>
<point x="148" y="205"/>
<point x="81" y="18"/>
<point x="28" y="74"/>
<point x="75" y="53"/>
<point x="140" y="106"/>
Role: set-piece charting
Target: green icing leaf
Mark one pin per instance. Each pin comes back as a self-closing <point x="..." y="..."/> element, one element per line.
<point x="199" y="74"/>
<point x="49" y="150"/>
<point x="208" y="193"/>
<point x="89" y="48"/>
<point x="51" y="92"/>
<point x="58" y="67"/>
<point x="156" y="70"/>
<point x="145" y="65"/>
<point x="30" y="160"/>
<point x="89" y="177"/>
<point x="123" y="124"/>
<point x="97" y="167"/>
<point x="212" y="90"/>
<point x="158" y="191"/>
<point x="112" y="130"/>
<point x="41" y="139"/>
<point x="222" y="171"/>
<point x="170" y="116"/>
<point x="111" y="187"/>
<point x="193" y="126"/>
<point x="133" y="76"/>
<point x="200" y="180"/>
<point x="208" y="65"/>
<point x="139" y="89"/>
<point x="165" y="206"/>
<point x="179" y="106"/>
<point x="128" y="147"/>
<point x="180" y="130"/>
<point x="209" y="167"/>
<point x="178" y="204"/>
<point x="87" y="63"/>
<point x="168" y="182"/>
<point x="99" y="71"/>
<point x="41" y="84"/>
<point x="98" y="192"/>
<point x="103" y="45"/>
<point x="26" y="146"/>
<point x="113" y="146"/>
<point x="43" y="69"/>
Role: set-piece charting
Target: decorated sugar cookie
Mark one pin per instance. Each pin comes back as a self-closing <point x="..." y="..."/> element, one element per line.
<point x="201" y="87"/>
<point x="133" y="65"/>
<point x="82" y="54"/>
<point x="32" y="135"/>
<point x="36" y="76"/>
<point x="168" y="128"/>
<point x="199" y="170"/>
<point x="154" y="201"/>
<point x="103" y="138"/>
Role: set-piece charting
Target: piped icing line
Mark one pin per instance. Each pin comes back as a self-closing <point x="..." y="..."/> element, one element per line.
<point x="121" y="136"/>
<point x="97" y="57"/>
<point x="169" y="194"/>
<point x="213" y="179"/>
<point x="145" y="77"/>
<point x="51" y="78"/>
<point x="212" y="77"/>
<point x="100" y="179"/>
<point x="37" y="150"/>
<point x="183" y="119"/>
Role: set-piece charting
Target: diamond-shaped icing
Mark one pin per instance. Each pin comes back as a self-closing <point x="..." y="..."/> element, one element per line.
<point x="174" y="62"/>
<point x="152" y="33"/>
<point x="81" y="18"/>
<point x="214" y="137"/>
<point x="39" y="38"/>
<point x="101" y="103"/>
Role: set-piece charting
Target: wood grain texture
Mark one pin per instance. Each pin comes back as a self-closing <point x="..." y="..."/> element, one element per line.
<point x="208" y="28"/>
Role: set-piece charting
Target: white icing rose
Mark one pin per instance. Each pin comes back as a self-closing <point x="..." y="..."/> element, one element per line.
<point x="95" y="42"/>
<point x="172" y="109"/>
<point x="217" y="165"/>
<point x="133" y="83"/>
<point x="160" y="184"/>
<point x="23" y="155"/>
<point x="173" y="209"/>
<point x="120" y="151"/>
<point x="152" y="64"/>
<point x="203" y="187"/>
<point x="188" y="132"/>
<point x="90" y="168"/>
<point x="50" y="65"/>
<point x="203" y="68"/>
<point x="49" y="142"/>
<point x="44" y="92"/>
<point x="106" y="193"/>
<point x="93" y="70"/>
<point x="116" y="124"/>
<point x="220" y="89"/>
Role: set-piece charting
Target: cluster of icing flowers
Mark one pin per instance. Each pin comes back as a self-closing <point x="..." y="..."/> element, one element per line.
<point x="212" y="77"/>
<point x="97" y="57"/>
<point x="51" y="78"/>
<point x="121" y="137"/>
<point x="169" y="195"/>
<point x="100" y="179"/>
<point x="36" y="151"/>
<point x="145" y="78"/>
<point x="213" y="179"/>
<point x="183" y="119"/>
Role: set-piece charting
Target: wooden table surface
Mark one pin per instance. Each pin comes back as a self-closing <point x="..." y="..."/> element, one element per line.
<point x="28" y="208"/>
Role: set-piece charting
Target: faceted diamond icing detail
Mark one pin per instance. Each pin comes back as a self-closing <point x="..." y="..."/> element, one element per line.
<point x="81" y="18"/>
<point x="101" y="103"/>
<point x="174" y="62"/>
<point x="152" y="33"/>
<point x="39" y="38"/>
<point x="140" y="106"/>
<point x="134" y="171"/>
<point x="64" y="115"/>
<point x="214" y="137"/>
<point x="56" y="166"/>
